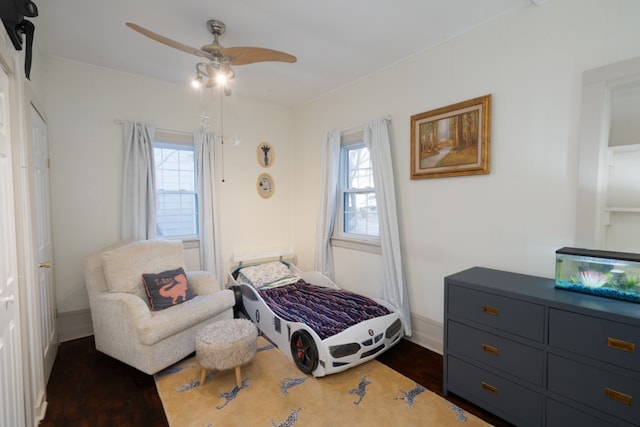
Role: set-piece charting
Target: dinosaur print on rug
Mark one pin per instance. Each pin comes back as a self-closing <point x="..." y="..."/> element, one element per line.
<point x="274" y="393"/>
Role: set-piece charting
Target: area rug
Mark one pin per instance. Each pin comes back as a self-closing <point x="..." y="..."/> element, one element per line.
<point x="275" y="393"/>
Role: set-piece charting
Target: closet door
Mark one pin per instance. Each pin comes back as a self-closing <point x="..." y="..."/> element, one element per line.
<point x="46" y="287"/>
<point x="11" y="386"/>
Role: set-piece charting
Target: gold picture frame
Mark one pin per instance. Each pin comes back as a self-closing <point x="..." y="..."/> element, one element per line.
<point x="452" y="140"/>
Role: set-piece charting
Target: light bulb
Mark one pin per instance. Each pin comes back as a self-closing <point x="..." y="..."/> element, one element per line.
<point x="221" y="78"/>
<point x="197" y="82"/>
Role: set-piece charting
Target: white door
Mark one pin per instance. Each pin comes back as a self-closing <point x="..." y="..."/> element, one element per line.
<point x="40" y="150"/>
<point x="11" y="385"/>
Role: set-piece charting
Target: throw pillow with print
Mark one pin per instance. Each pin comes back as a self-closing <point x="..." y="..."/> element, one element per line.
<point x="167" y="289"/>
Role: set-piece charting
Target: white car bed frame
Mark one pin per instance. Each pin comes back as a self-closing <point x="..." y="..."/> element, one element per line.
<point x="312" y="355"/>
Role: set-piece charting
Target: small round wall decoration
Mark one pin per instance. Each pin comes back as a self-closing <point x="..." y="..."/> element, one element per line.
<point x="266" y="154"/>
<point x="265" y="185"/>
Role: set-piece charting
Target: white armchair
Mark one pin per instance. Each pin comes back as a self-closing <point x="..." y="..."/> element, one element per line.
<point x="124" y="325"/>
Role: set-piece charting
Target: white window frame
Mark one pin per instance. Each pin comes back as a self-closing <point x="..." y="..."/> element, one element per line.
<point x="176" y="140"/>
<point x="340" y="238"/>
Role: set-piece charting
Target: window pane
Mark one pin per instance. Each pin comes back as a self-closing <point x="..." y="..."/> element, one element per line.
<point x="176" y="198"/>
<point x="176" y="214"/>
<point x="187" y="181"/>
<point x="359" y="169"/>
<point x="361" y="213"/>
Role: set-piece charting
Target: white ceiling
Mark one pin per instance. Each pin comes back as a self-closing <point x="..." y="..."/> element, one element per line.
<point x="335" y="41"/>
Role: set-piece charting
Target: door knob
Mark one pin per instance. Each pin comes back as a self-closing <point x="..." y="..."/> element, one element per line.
<point x="45" y="264"/>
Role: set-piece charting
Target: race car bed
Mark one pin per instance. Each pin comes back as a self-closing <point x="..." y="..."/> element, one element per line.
<point x="323" y="328"/>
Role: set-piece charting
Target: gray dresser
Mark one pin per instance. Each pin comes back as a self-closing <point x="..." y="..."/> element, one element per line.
<point x="540" y="356"/>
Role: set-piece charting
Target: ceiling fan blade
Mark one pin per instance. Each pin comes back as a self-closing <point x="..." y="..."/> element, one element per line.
<point x="171" y="43"/>
<point x="250" y="55"/>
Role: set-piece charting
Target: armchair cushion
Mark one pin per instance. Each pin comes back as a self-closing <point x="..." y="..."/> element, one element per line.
<point x="167" y="289"/>
<point x="163" y="324"/>
<point x="123" y="267"/>
<point x="203" y="282"/>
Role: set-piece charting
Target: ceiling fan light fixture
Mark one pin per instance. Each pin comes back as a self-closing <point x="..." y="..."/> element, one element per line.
<point x="197" y="82"/>
<point x="221" y="78"/>
<point x="211" y="83"/>
<point x="218" y="73"/>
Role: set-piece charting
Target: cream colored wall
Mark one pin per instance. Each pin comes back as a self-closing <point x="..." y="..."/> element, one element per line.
<point x="86" y="152"/>
<point x="515" y="218"/>
<point x="531" y="61"/>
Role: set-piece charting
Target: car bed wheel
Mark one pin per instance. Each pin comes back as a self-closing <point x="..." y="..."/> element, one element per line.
<point x="304" y="351"/>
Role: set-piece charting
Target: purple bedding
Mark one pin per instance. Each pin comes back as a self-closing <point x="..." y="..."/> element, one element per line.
<point x="327" y="311"/>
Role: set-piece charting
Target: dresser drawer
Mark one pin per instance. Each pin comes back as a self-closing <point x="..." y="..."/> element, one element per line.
<point x="507" y="314"/>
<point x="499" y="353"/>
<point x="613" y="394"/>
<point x="508" y="400"/>
<point x="617" y="343"/>
<point x="561" y="415"/>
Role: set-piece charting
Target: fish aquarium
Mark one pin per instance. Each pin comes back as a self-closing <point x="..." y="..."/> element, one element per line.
<point x="602" y="273"/>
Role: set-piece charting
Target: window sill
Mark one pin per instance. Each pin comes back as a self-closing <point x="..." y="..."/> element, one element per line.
<point x="356" y="245"/>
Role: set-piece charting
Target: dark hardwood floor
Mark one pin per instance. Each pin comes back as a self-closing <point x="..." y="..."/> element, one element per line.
<point x="88" y="388"/>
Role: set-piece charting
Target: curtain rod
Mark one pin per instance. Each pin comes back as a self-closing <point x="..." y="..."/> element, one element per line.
<point x="186" y="132"/>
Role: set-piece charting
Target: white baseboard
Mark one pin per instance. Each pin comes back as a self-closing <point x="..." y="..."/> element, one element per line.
<point x="427" y="333"/>
<point x="77" y="324"/>
<point x="74" y="324"/>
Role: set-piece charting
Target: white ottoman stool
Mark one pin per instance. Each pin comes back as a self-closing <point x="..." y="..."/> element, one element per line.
<point x="226" y="344"/>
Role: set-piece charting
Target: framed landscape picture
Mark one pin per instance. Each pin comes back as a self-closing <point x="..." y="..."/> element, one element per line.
<point x="452" y="140"/>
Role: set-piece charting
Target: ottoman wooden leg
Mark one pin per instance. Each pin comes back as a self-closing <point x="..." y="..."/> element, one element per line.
<point x="203" y="376"/>
<point x="238" y="377"/>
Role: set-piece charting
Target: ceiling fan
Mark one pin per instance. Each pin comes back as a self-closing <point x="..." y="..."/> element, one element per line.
<point x="218" y="70"/>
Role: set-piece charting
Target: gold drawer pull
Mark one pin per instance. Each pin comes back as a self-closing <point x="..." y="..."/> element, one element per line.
<point x="616" y="395"/>
<point x="489" y="349"/>
<point x="488" y="387"/>
<point x="621" y="345"/>
<point x="490" y="310"/>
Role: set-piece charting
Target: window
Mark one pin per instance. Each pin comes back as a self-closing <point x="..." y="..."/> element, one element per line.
<point x="357" y="216"/>
<point x="176" y="196"/>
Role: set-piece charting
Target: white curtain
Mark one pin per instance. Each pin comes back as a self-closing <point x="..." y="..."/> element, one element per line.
<point x="394" y="290"/>
<point x="138" y="195"/>
<point x="330" y="165"/>
<point x="207" y="202"/>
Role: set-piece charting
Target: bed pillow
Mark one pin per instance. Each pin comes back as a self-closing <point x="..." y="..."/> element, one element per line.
<point x="268" y="275"/>
<point x="167" y="289"/>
